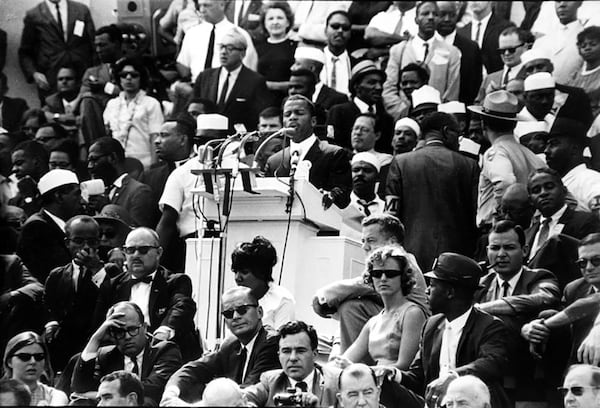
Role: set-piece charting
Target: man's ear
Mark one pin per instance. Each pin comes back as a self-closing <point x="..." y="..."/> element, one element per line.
<point x="259" y="310"/>
<point x="339" y="398"/>
<point x="313" y="120"/>
<point x="377" y="135"/>
<point x="132" y="398"/>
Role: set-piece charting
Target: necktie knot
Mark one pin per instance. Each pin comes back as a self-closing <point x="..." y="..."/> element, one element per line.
<point x="136" y="367"/>
<point x="505" y="288"/>
<point x="146" y="279"/>
<point x="302" y="386"/>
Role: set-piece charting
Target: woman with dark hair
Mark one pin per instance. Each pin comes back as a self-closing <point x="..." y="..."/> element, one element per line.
<point x="26" y="359"/>
<point x="252" y="263"/>
<point x="276" y="53"/>
<point x="390" y="338"/>
<point x="134" y="118"/>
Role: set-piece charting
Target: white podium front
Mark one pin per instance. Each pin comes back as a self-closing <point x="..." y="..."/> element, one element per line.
<point x="309" y="262"/>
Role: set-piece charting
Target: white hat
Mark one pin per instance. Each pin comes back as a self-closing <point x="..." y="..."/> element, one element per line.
<point x="534" y="54"/>
<point x="310" y="53"/>
<point x="366" y="157"/>
<point x="452" y="107"/>
<point x="425" y="94"/>
<point x="56" y="178"/>
<point x="539" y="80"/>
<point x="410" y="123"/>
<point x="212" y="121"/>
<point x="526" y="127"/>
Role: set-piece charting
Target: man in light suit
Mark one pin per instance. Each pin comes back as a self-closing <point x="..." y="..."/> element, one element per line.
<point x="242" y="357"/>
<point x="315" y="385"/>
<point x="239" y="92"/>
<point x="443" y="60"/>
<point x="55" y="32"/>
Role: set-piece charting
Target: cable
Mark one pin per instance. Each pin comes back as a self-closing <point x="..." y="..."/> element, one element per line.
<point x="212" y="245"/>
<point x="287" y="233"/>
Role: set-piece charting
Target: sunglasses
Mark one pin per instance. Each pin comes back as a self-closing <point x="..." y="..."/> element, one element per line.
<point x="93" y="242"/>
<point x="25" y="357"/>
<point x="120" y="333"/>
<point x="230" y="48"/>
<point x="576" y="391"/>
<point x="144" y="249"/>
<point x="511" y="50"/>
<point x="241" y="310"/>
<point x="337" y="26"/>
<point x="389" y="273"/>
<point x="133" y="75"/>
<point x="583" y="262"/>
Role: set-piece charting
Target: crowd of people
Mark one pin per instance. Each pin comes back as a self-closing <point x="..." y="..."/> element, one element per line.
<point x="464" y="136"/>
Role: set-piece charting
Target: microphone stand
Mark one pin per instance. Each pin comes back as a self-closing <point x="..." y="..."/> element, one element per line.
<point x="295" y="157"/>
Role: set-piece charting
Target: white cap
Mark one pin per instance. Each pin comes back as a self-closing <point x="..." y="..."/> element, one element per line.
<point x="410" y="123"/>
<point x="310" y="53"/>
<point x="452" y="107"/>
<point x="539" y="80"/>
<point x="526" y="127"/>
<point x="425" y="94"/>
<point x="534" y="54"/>
<point x="56" y="178"/>
<point x="366" y="157"/>
<point x="212" y="121"/>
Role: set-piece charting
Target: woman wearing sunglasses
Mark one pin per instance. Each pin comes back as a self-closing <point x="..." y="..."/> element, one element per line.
<point x="134" y="118"/>
<point x="26" y="359"/>
<point x="390" y="338"/>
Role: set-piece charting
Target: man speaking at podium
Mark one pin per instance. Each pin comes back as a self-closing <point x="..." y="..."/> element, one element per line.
<point x="328" y="165"/>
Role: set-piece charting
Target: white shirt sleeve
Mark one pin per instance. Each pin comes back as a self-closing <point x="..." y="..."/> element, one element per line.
<point x="173" y="194"/>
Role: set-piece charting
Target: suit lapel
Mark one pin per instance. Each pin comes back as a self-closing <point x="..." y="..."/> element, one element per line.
<point x="314" y="153"/>
<point x="159" y="284"/>
<point x="464" y="336"/>
<point x="530" y="233"/>
<point x="436" y="345"/>
<point x="214" y="83"/>
<point x="522" y="283"/>
<point x="318" y="385"/>
<point x="124" y="289"/>
<point x="45" y="11"/>
<point x="147" y="362"/>
<point x="235" y="90"/>
<point x="120" y="190"/>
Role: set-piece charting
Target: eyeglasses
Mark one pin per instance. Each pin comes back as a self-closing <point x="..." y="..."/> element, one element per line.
<point x="143" y="249"/>
<point x="25" y="357"/>
<point x="577" y="390"/>
<point x="108" y="233"/>
<point x="93" y="242"/>
<point x="582" y="263"/>
<point x="94" y="159"/>
<point x="337" y="26"/>
<point x="241" y="310"/>
<point x="389" y="273"/>
<point x="120" y="333"/>
<point x="133" y="75"/>
<point x="511" y="50"/>
<point x="229" y="48"/>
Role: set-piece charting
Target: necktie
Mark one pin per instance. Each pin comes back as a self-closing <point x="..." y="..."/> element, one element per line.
<point x="398" y="28"/>
<point x="365" y="206"/>
<point x="371" y="109"/>
<point x="136" y="368"/>
<point x="243" y="355"/>
<point x="211" y="49"/>
<point x="478" y="33"/>
<point x="544" y="232"/>
<point x="83" y="275"/>
<point x="505" y="288"/>
<point x="334" y="60"/>
<point x="240" y="15"/>
<point x="224" y="90"/>
<point x="302" y="386"/>
<point x="59" y="20"/>
<point x="505" y="80"/>
<point x="426" y="45"/>
<point x="146" y="279"/>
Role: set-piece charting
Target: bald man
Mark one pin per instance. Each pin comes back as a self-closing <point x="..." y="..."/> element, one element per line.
<point x="223" y="392"/>
<point x="467" y="391"/>
<point x="358" y="387"/>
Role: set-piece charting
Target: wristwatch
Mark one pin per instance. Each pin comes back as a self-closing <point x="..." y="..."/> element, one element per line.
<point x="56" y="116"/>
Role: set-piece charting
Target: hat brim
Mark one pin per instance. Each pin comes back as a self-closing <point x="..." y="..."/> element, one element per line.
<point x="360" y="75"/>
<point x="114" y="221"/>
<point x="433" y="275"/>
<point x="479" y="110"/>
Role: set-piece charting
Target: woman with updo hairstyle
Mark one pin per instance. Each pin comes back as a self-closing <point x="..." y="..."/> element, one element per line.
<point x="252" y="263"/>
<point x="26" y="359"/>
<point x="390" y="338"/>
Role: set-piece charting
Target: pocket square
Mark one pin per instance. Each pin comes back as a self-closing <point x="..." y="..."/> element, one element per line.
<point x="240" y="99"/>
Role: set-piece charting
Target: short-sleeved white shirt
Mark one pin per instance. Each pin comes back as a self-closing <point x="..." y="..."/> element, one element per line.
<point x="584" y="184"/>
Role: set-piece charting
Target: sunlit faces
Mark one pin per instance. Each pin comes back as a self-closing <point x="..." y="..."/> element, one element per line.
<point x="296" y="356"/>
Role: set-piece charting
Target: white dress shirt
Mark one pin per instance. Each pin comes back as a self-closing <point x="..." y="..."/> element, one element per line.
<point x="303" y="146"/>
<point x="278" y="306"/>
<point x="512" y="282"/>
<point x="418" y="45"/>
<point x="450" y="339"/>
<point x="554" y="228"/>
<point x="474" y="24"/>
<point x="376" y="206"/>
<point x="362" y="106"/>
<point x="249" y="347"/>
<point x="233" y="75"/>
<point x="140" y="295"/>
<point x="318" y="87"/>
<point x="128" y="363"/>
<point x="449" y="39"/>
<point x="308" y="380"/>
<point x="387" y="21"/>
<point x="62" y="6"/>
<point x="342" y="71"/>
<point x="117" y="184"/>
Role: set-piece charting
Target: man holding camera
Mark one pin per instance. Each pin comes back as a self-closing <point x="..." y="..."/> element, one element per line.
<point x="300" y="381"/>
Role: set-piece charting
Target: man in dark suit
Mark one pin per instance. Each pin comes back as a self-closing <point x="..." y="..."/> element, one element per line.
<point x="239" y="92"/>
<point x="106" y="161"/>
<point x="366" y="86"/>
<point x="132" y="350"/>
<point x="330" y="165"/>
<point x="246" y="14"/>
<point x="470" y="59"/>
<point x="71" y="291"/>
<point x="42" y="244"/>
<point x="242" y="357"/>
<point x="491" y="25"/>
<point x="12" y="109"/>
<point x="165" y="298"/>
<point x="433" y="191"/>
<point x="62" y="106"/>
<point x="53" y="36"/>
<point x="315" y="385"/>
<point x="481" y="348"/>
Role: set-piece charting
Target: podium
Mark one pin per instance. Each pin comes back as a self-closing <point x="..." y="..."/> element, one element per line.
<point x="316" y="254"/>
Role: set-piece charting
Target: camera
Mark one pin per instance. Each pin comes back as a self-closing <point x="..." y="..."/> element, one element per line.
<point x="288" y="398"/>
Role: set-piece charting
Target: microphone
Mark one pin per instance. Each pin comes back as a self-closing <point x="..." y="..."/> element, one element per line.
<point x="294" y="162"/>
<point x="267" y="140"/>
<point x="252" y="136"/>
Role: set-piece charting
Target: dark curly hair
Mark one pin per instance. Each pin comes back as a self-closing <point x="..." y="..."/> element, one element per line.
<point x="259" y="257"/>
<point x="138" y="65"/>
<point x="298" y="326"/>
<point x="380" y="255"/>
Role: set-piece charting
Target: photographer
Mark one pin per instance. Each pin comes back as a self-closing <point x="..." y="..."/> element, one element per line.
<point x="300" y="382"/>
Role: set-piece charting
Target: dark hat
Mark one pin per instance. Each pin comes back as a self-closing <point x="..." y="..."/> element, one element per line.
<point x="500" y="105"/>
<point x="455" y="268"/>
<point x="570" y="129"/>
<point x="115" y="215"/>
<point x="363" y="68"/>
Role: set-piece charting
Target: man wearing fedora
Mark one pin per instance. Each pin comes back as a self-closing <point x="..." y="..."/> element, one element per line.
<point x="458" y="339"/>
<point x="506" y="162"/>
<point x="366" y="85"/>
<point x="115" y="223"/>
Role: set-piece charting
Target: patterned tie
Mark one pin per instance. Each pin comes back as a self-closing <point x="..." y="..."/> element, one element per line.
<point x="211" y="49"/>
<point x="224" y="90"/>
<point x="334" y="60"/>
<point x="60" y="22"/>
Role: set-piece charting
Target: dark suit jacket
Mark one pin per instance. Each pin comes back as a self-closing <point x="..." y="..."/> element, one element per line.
<point x="193" y="376"/>
<point x="342" y="117"/>
<point x="156" y="178"/>
<point x="44" y="49"/>
<point x="159" y="363"/>
<point x="138" y="200"/>
<point x="12" y="112"/>
<point x="330" y="169"/>
<point x="577" y="106"/>
<point x="2" y="49"/>
<point x="42" y="245"/>
<point x="580" y="327"/>
<point x="558" y="255"/>
<point x="170" y="304"/>
<point x="54" y="104"/>
<point x="482" y="351"/>
<point x="491" y="58"/>
<point x="329" y="97"/>
<point x="436" y="191"/>
<point x="470" y="68"/>
<point x="273" y="382"/>
<point x="250" y="24"/>
<point x="248" y="97"/>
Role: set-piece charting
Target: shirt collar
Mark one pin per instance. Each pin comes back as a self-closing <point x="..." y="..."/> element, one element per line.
<point x="318" y="88"/>
<point x="61" y="224"/>
<point x="233" y="73"/>
<point x="304" y="145"/>
<point x="362" y="106"/>
<point x="449" y="39"/>
<point x="329" y="54"/>
<point x="483" y="21"/>
<point x="308" y="380"/>
<point x="419" y="41"/>
<point x="460" y="321"/>
<point x="556" y="216"/>
<point x="250" y="345"/>
<point x="119" y="181"/>
<point x="512" y="282"/>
